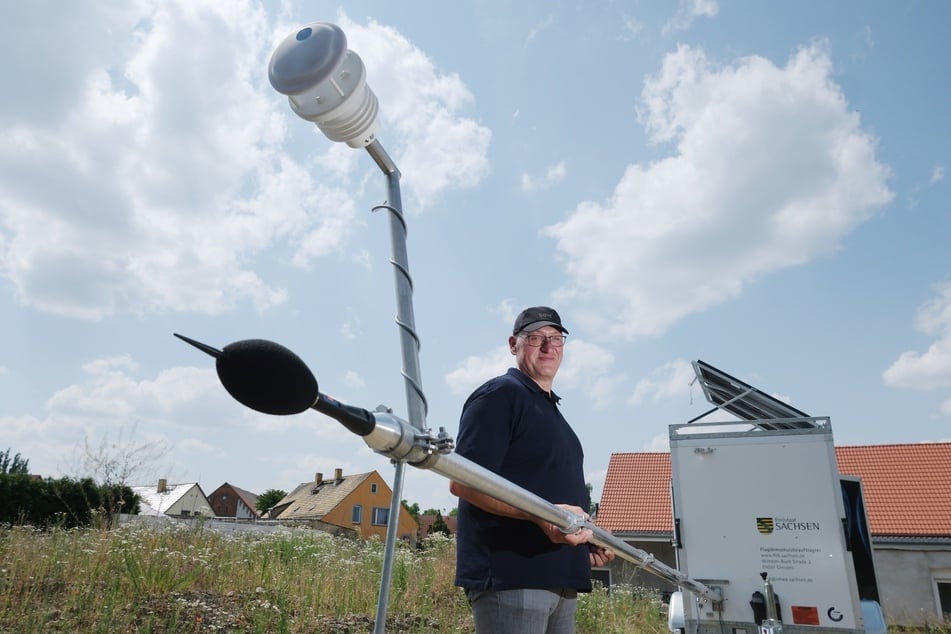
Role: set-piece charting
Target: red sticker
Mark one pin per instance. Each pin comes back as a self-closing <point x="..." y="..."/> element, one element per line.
<point x="805" y="615"/>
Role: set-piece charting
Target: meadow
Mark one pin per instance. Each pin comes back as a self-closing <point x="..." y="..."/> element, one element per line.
<point x="137" y="579"/>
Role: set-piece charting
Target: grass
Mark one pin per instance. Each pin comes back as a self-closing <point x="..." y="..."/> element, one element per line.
<point x="137" y="579"/>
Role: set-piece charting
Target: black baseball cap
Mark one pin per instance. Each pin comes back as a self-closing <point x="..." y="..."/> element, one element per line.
<point x="536" y="317"/>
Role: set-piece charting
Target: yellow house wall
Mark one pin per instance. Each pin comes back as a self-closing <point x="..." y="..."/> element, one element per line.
<point x="342" y="514"/>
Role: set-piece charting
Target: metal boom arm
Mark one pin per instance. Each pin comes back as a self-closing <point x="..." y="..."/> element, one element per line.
<point x="396" y="439"/>
<point x="269" y="378"/>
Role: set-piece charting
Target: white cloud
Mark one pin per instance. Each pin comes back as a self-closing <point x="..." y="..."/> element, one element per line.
<point x="937" y="174"/>
<point x="589" y="367"/>
<point x="771" y="170"/>
<point x="508" y="311"/>
<point x="111" y="395"/>
<point x="543" y="26"/>
<point x="354" y="379"/>
<point x="553" y="175"/>
<point x="442" y="148"/>
<point x="352" y="326"/>
<point x="184" y="407"/>
<point x="631" y="26"/>
<point x="196" y="446"/>
<point x="671" y="380"/>
<point x="152" y="157"/>
<point x="363" y="258"/>
<point x="660" y="442"/>
<point x="586" y="366"/>
<point x="932" y="369"/>
<point x="110" y="400"/>
<point x="476" y="370"/>
<point x="862" y="43"/>
<point x="168" y="150"/>
<point x="688" y="11"/>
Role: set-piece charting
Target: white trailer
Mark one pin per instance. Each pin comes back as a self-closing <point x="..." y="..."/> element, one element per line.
<point x="759" y="511"/>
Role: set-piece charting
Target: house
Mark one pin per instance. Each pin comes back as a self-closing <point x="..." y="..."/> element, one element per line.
<point x="231" y="501"/>
<point x="426" y="522"/>
<point x="635" y="506"/>
<point x="907" y="492"/>
<point x="174" y="500"/>
<point x="358" y="504"/>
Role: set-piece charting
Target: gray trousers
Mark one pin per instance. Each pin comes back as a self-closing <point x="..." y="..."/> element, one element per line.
<point x="526" y="611"/>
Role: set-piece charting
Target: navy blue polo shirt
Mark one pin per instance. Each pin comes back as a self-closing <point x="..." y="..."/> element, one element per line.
<point x="512" y="427"/>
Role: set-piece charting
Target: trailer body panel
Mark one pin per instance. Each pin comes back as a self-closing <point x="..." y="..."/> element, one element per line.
<point x="749" y="500"/>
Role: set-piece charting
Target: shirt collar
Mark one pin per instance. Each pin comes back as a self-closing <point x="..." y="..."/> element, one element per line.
<point x="530" y="383"/>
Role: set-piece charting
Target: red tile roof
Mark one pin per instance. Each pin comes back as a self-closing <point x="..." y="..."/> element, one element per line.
<point x="907" y="489"/>
<point x="636" y="495"/>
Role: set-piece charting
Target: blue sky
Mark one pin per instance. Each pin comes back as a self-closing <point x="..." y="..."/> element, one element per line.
<point x="758" y="185"/>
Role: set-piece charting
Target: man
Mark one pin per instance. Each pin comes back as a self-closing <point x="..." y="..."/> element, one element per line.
<point x="522" y="574"/>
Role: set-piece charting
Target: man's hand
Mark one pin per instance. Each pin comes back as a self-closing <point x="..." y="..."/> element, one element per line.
<point x="555" y="534"/>
<point x="599" y="555"/>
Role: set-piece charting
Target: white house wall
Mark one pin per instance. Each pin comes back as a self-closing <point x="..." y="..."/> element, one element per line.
<point x="193" y="502"/>
<point x="906" y="581"/>
<point x="243" y="512"/>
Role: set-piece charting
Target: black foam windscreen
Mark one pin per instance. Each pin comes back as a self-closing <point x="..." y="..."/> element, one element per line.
<point x="267" y="377"/>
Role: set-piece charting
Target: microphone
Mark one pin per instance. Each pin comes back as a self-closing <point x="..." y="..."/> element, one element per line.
<point x="265" y="376"/>
<point x="269" y="378"/>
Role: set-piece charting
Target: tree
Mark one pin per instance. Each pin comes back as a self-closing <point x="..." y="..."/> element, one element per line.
<point x="412" y="509"/>
<point x="118" y="462"/>
<point x="439" y="524"/>
<point x="64" y="502"/>
<point x="16" y="465"/>
<point x="269" y="498"/>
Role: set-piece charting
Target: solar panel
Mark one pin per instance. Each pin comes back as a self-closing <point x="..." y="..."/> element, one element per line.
<point x="748" y="403"/>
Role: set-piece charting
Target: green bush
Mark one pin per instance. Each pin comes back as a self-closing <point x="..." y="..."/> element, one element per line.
<point x="61" y="502"/>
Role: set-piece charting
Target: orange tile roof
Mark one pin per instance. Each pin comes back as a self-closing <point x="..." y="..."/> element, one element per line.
<point x="907" y="489"/>
<point x="636" y="495"/>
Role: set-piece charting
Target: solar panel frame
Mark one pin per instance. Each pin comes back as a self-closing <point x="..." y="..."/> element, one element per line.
<point x="747" y="402"/>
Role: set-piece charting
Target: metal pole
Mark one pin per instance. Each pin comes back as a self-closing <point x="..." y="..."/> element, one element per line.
<point x="405" y="319"/>
<point x="772" y="624"/>
<point x="325" y="83"/>
<point x="409" y="342"/>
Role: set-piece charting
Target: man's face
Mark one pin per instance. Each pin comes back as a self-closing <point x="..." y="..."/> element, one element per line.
<point x="541" y="363"/>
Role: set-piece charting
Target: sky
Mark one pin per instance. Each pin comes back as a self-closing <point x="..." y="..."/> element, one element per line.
<point x="761" y="186"/>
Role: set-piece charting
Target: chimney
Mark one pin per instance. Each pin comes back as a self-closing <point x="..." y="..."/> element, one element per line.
<point x="338" y="475"/>
<point x="318" y="479"/>
<point x="162" y="486"/>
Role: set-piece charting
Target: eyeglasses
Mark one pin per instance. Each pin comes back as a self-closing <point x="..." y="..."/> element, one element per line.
<point x="555" y="341"/>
